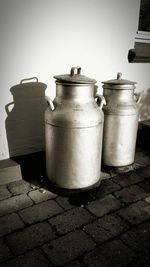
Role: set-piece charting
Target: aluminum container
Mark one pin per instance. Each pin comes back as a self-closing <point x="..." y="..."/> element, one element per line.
<point x="74" y="128"/>
<point x="121" y="115"/>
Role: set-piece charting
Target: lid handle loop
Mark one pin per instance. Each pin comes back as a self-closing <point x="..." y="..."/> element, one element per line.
<point x="119" y="75"/>
<point x="72" y="72"/>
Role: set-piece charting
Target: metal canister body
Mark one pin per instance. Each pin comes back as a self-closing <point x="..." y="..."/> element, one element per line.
<point x="74" y="136"/>
<point x="120" y="122"/>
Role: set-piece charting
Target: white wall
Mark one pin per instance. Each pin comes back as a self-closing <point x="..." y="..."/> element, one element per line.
<point x="47" y="37"/>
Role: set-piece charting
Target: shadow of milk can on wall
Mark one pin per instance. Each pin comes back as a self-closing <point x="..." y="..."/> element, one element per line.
<point x="74" y="127"/>
<point x="25" y="122"/>
<point x="121" y="114"/>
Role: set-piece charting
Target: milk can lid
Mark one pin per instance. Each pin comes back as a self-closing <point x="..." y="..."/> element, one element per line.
<point x="119" y="81"/>
<point x="74" y="77"/>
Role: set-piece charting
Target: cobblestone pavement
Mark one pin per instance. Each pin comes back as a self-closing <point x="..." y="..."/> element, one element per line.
<point x="107" y="226"/>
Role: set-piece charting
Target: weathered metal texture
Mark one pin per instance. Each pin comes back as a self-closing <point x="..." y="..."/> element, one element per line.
<point x="74" y="131"/>
<point x="120" y="122"/>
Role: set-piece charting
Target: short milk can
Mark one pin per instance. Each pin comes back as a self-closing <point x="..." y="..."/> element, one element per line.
<point x="120" y="122"/>
<point x="74" y="127"/>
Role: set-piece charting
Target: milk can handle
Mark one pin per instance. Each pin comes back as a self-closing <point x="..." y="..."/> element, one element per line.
<point x="138" y="97"/>
<point x="50" y="102"/>
<point x="72" y="72"/>
<point x="27" y="79"/>
<point x="100" y="100"/>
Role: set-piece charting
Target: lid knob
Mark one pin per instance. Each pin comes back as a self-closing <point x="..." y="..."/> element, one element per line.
<point x="74" y="76"/>
<point x="72" y="72"/>
<point x="119" y="75"/>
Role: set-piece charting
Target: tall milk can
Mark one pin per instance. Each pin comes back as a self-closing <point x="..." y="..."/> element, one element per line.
<point x="74" y="127"/>
<point x="120" y="122"/>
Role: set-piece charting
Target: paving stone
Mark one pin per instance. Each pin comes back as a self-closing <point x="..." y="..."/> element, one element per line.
<point x="4" y="193"/>
<point x="68" y="247"/>
<point x="106" y="228"/>
<point x="103" y="206"/>
<point x="15" y="203"/>
<point x="82" y="199"/>
<point x="40" y="212"/>
<point x="143" y="259"/>
<point x="136" y="166"/>
<point x="145" y="185"/>
<point x="131" y="194"/>
<point x="144" y="172"/>
<point x="74" y="264"/>
<point x="127" y="179"/>
<point x="31" y="259"/>
<point x="142" y="158"/>
<point x="5" y="253"/>
<point x="41" y="195"/>
<point x="136" y="213"/>
<point x="113" y="253"/>
<point x="107" y="172"/>
<point x="30" y="237"/>
<point x="117" y="171"/>
<point x="9" y="223"/>
<point x="64" y="202"/>
<point x="106" y="187"/>
<point x="123" y="169"/>
<point x="95" y="259"/>
<point x="147" y="199"/>
<point x="71" y="220"/>
<point x="105" y="175"/>
<point x="138" y="238"/>
<point x="19" y="187"/>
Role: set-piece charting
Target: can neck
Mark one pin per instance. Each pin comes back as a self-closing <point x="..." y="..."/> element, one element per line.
<point x="75" y="91"/>
<point x="119" y="95"/>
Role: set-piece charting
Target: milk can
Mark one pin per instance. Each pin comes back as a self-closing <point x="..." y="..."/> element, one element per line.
<point x="120" y="122"/>
<point x="74" y="127"/>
